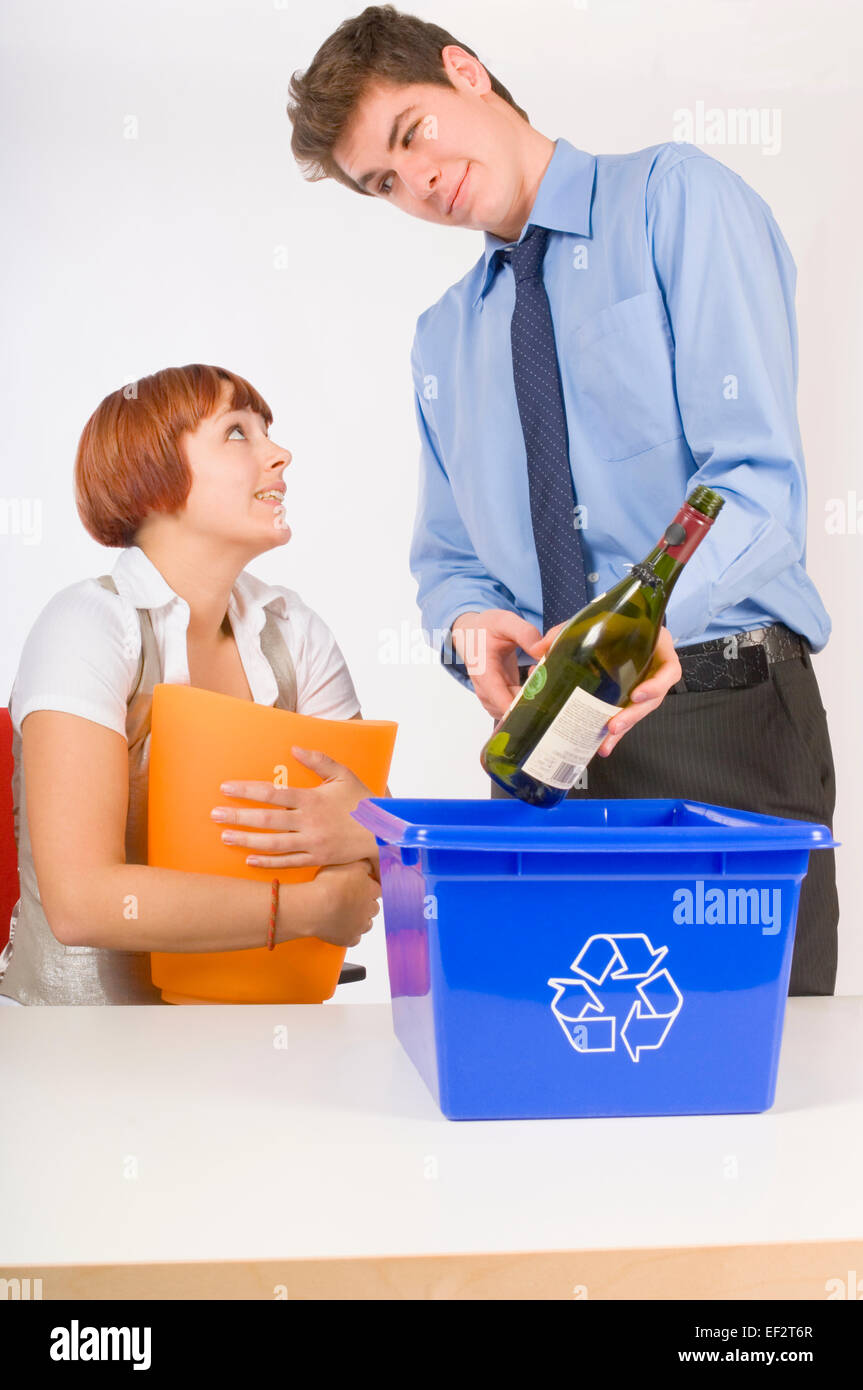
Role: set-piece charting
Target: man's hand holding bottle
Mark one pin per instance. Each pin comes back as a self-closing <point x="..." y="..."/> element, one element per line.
<point x="489" y="654"/>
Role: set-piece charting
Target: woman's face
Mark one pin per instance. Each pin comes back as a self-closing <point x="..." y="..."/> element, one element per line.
<point x="233" y="461"/>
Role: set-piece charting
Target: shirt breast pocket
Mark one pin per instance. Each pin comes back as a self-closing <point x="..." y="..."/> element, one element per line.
<point x="622" y="367"/>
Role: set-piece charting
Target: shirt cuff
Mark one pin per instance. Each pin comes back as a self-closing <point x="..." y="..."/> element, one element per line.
<point x="450" y="659"/>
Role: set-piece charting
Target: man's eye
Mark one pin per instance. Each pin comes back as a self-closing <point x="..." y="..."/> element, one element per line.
<point x="387" y="187"/>
<point x="236" y="427"/>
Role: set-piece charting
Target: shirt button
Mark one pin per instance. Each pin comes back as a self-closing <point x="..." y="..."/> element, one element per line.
<point x="593" y="577"/>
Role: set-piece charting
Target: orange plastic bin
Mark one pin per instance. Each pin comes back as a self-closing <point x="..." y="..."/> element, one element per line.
<point x="200" y="739"/>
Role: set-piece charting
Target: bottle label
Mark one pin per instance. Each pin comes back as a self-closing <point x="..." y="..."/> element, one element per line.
<point x="570" y="741"/>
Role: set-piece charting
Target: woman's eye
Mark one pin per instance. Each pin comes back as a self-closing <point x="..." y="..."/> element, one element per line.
<point x="386" y="187"/>
<point x="236" y="427"/>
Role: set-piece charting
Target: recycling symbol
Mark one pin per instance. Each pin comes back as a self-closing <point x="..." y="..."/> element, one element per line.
<point x="618" y="992"/>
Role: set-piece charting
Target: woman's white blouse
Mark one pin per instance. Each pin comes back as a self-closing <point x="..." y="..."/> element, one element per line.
<point x="81" y="654"/>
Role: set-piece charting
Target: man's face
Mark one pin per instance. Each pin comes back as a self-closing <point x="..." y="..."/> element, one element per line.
<point x="439" y="153"/>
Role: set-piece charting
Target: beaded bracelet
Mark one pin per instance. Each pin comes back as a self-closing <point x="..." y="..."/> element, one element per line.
<point x="274" y="903"/>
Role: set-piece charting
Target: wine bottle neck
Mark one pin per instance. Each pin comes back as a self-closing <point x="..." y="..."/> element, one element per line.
<point x="667" y="559"/>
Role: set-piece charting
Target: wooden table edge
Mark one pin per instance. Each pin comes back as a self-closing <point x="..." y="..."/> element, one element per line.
<point x="817" y="1270"/>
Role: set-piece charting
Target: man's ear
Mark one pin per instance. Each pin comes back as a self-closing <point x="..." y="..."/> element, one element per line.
<point x="464" y="71"/>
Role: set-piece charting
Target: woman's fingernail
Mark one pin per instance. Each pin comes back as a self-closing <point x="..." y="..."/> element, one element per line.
<point x="228" y="837"/>
<point x="228" y="788"/>
<point x="218" y="814"/>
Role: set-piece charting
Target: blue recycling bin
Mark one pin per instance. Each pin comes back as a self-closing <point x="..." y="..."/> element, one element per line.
<point x="622" y="957"/>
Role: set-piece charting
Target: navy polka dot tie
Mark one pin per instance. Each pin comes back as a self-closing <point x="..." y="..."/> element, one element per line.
<point x="539" y="393"/>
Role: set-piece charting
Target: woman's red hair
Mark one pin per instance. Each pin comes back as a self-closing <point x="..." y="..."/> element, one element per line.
<point x="129" y="461"/>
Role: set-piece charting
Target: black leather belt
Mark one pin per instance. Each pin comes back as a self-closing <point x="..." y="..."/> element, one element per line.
<point x="738" y="660"/>
<point x="733" y="662"/>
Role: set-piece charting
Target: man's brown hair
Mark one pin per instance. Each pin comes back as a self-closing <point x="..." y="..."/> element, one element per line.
<point x="381" y="44"/>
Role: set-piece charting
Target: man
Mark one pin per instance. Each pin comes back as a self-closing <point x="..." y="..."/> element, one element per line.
<point x="628" y="331"/>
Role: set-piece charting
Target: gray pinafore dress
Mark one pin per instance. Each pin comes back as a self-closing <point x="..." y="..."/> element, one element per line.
<point x="39" y="968"/>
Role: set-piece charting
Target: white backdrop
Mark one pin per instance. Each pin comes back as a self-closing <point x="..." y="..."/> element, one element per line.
<point x="155" y="217"/>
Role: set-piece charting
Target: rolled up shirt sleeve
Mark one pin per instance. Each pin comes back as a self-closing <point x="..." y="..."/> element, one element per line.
<point x="450" y="577"/>
<point x="728" y="278"/>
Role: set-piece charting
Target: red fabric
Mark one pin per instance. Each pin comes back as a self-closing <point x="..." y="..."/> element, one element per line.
<point x="8" y="851"/>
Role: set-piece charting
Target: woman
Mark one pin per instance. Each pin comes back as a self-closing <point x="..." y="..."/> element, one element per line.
<point x="181" y="473"/>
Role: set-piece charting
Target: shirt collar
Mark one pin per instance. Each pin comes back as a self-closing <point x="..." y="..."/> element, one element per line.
<point x="562" y="204"/>
<point x="138" y="579"/>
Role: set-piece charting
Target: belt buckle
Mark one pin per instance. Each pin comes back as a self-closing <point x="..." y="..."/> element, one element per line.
<point x="781" y="643"/>
<point x="751" y="658"/>
<point x="764" y="637"/>
<point x="755" y="661"/>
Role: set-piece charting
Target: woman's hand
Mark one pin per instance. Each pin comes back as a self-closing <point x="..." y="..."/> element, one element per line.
<point x="663" y="672"/>
<point x="301" y="826"/>
<point x="346" y="903"/>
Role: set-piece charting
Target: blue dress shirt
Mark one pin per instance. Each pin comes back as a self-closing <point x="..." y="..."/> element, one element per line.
<point x="672" y="295"/>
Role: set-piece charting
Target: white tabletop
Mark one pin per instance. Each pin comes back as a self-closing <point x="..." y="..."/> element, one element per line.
<point x="179" y="1134"/>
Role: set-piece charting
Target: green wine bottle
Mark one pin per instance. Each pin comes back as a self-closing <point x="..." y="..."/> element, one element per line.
<point x="558" y="719"/>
